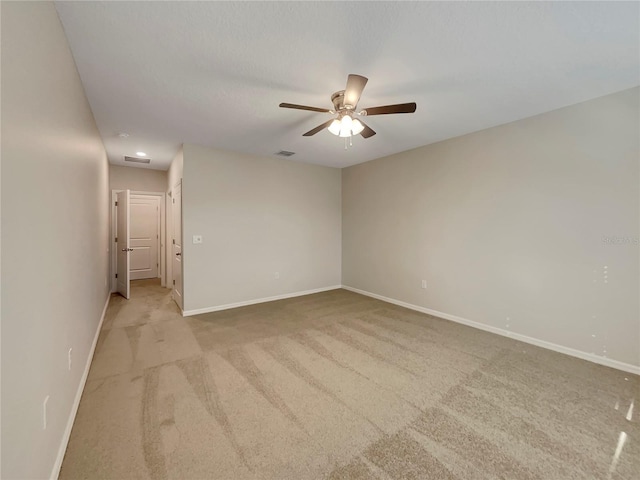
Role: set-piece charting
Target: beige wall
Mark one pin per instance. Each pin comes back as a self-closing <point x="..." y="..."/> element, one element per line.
<point x="141" y="179"/>
<point x="55" y="235"/>
<point x="509" y="227"/>
<point x="257" y="216"/>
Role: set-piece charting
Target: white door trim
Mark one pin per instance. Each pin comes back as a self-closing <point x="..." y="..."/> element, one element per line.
<point x="162" y="271"/>
<point x="173" y="273"/>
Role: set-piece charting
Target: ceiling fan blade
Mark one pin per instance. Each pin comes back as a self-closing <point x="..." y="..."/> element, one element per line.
<point x="304" y="107"/>
<point x="318" y="128"/>
<point x="355" y="86"/>
<point x="367" y="131"/>
<point x="387" y="109"/>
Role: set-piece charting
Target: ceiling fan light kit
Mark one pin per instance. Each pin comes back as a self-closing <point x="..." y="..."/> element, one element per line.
<point x="346" y="126"/>
<point x="345" y="103"/>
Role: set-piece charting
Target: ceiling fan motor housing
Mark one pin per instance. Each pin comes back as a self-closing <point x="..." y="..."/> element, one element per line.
<point x="338" y="101"/>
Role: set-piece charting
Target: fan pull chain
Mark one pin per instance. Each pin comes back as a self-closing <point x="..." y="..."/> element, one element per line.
<point x="350" y="144"/>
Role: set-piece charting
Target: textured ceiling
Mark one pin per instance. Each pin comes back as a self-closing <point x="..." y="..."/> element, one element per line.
<point x="213" y="73"/>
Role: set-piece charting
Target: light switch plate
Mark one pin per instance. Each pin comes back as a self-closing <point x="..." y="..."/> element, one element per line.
<point x="197" y="239"/>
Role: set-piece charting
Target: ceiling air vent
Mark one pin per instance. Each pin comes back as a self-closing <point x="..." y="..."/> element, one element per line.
<point x="136" y="159"/>
<point x="284" y="153"/>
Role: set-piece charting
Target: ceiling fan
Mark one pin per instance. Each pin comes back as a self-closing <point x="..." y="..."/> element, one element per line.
<point x="345" y="102"/>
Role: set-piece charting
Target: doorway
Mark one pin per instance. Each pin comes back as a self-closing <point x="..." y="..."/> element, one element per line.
<point x="176" y="204"/>
<point x="144" y="236"/>
<point x="145" y="242"/>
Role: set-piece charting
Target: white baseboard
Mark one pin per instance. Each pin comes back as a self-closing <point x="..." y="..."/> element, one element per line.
<point x="608" y="362"/>
<point x="187" y="313"/>
<point x="76" y="402"/>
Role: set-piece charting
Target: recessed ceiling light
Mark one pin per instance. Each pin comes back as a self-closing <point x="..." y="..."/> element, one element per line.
<point x="123" y="135"/>
<point x="141" y="154"/>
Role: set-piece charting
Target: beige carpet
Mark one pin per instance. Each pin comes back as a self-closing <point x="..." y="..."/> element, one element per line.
<point x="337" y="385"/>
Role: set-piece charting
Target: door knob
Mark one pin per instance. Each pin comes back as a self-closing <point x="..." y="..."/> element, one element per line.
<point x="178" y="254"/>
<point x="127" y="249"/>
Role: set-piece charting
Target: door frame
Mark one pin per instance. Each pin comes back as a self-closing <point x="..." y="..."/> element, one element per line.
<point x="170" y="251"/>
<point x="162" y="270"/>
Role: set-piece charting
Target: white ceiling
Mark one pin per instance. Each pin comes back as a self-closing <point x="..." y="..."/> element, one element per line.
<point x="213" y="73"/>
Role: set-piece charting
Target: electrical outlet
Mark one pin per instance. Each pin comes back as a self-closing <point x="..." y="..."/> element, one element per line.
<point x="44" y="412"/>
<point x="70" y="350"/>
<point x="424" y="284"/>
<point x="276" y="275"/>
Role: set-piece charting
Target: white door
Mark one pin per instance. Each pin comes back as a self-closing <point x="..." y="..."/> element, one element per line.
<point x="122" y="243"/>
<point x="177" y="243"/>
<point x="144" y="236"/>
